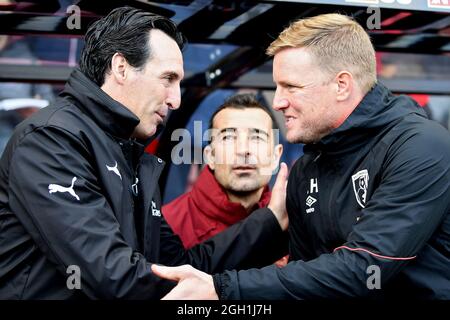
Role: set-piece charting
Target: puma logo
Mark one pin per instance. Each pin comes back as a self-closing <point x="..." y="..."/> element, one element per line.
<point x="52" y="188"/>
<point x="115" y="170"/>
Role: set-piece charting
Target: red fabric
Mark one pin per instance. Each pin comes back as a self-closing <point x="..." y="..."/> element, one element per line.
<point x="421" y="99"/>
<point x="205" y="211"/>
<point x="152" y="147"/>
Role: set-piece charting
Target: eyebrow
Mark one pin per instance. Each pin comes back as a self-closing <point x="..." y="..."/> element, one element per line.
<point x="227" y="130"/>
<point x="282" y="83"/>
<point x="289" y="83"/>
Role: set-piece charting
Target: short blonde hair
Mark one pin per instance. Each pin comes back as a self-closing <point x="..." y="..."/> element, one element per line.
<point x="337" y="42"/>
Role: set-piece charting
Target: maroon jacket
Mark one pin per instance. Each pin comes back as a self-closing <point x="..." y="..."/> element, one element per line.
<point x="205" y="211"/>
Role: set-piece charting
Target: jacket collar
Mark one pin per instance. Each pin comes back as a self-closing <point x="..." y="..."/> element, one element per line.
<point x="112" y="116"/>
<point x="379" y="109"/>
<point x="210" y="197"/>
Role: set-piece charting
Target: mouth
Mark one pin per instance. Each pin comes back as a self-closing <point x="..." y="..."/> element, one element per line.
<point x="162" y="116"/>
<point x="244" y="168"/>
<point x="289" y="120"/>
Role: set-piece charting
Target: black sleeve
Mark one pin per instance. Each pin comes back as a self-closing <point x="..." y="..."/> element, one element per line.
<point x="75" y="229"/>
<point x="409" y="205"/>
<point x="253" y="242"/>
<point x="81" y="229"/>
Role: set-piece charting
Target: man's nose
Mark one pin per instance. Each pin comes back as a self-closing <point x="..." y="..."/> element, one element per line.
<point x="279" y="101"/>
<point x="173" y="100"/>
<point x="242" y="145"/>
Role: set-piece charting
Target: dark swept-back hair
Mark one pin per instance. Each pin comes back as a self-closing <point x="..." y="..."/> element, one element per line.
<point x="241" y="102"/>
<point x="124" y="30"/>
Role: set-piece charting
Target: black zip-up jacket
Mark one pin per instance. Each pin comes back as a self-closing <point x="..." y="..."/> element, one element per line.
<point x="368" y="209"/>
<point x="69" y="197"/>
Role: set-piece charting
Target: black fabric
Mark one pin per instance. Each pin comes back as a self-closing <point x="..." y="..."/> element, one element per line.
<point x="66" y="198"/>
<point x="401" y="224"/>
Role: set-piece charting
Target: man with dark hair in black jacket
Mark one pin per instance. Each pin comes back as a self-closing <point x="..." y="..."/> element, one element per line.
<point x="79" y="200"/>
<point x="369" y="201"/>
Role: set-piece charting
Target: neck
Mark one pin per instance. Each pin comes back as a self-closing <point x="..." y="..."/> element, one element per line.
<point x="108" y="88"/>
<point x="247" y="199"/>
<point x="347" y="110"/>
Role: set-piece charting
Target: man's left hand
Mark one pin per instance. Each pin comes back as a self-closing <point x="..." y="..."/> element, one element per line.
<point x="192" y="283"/>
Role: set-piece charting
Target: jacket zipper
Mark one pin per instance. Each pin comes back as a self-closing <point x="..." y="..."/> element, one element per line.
<point x="329" y="216"/>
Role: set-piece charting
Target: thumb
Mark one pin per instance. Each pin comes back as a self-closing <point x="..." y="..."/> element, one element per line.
<point x="282" y="176"/>
<point x="169" y="273"/>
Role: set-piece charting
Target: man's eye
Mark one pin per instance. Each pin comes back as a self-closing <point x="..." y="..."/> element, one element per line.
<point x="228" y="137"/>
<point x="290" y="87"/>
<point x="258" y="138"/>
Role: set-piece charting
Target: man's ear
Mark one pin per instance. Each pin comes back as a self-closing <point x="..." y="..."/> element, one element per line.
<point x="344" y="81"/>
<point x="208" y="155"/>
<point x="119" y="68"/>
<point x="277" y="152"/>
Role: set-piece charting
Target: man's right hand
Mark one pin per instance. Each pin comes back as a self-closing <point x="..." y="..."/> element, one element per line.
<point x="278" y="200"/>
<point x="192" y="284"/>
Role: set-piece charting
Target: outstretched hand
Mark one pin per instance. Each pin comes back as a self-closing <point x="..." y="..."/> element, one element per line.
<point x="192" y="283"/>
<point x="278" y="199"/>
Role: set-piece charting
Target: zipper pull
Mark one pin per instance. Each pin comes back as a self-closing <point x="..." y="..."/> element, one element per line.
<point x="318" y="156"/>
<point x="134" y="187"/>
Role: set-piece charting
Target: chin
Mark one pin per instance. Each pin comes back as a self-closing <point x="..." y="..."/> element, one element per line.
<point x="149" y="133"/>
<point x="246" y="186"/>
<point x="292" y="139"/>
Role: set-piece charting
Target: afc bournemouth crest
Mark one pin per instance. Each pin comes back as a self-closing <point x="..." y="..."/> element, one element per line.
<point x="360" y="182"/>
